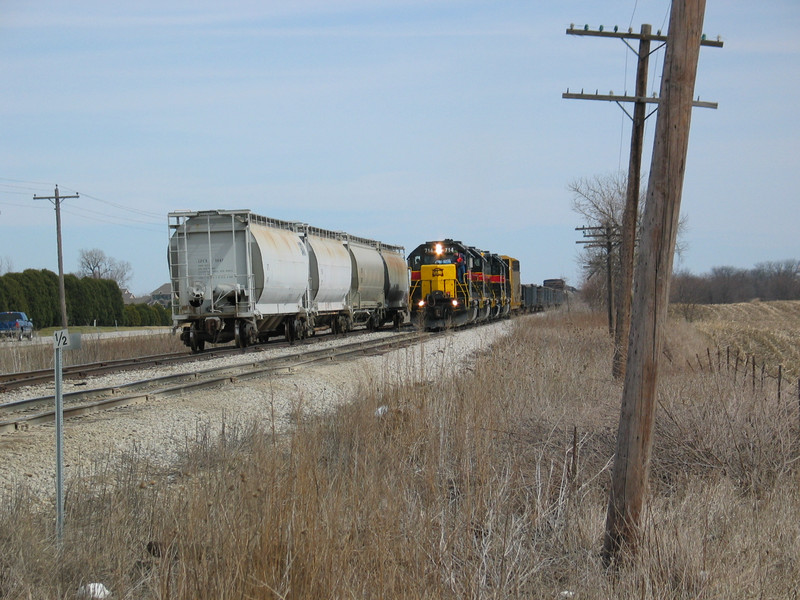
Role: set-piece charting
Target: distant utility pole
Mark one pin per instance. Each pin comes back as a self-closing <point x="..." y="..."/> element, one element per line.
<point x="606" y="237"/>
<point x="653" y="271"/>
<point x="629" y="218"/>
<point x="56" y="199"/>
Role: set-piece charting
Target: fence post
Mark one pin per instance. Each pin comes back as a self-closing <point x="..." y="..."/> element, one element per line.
<point x="754" y="373"/>
<point x="780" y="379"/>
<point x="710" y="365"/>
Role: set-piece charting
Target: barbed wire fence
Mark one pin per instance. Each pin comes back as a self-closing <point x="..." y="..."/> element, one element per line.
<point x="744" y="369"/>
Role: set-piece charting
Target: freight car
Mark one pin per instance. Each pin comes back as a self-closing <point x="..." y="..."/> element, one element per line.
<point x="238" y="276"/>
<point x="536" y="298"/>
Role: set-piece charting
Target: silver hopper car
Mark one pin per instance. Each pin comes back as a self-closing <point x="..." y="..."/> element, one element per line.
<point x="237" y="276"/>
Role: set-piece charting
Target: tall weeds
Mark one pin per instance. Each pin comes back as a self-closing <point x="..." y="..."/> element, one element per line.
<point x="490" y="484"/>
<point x="22" y="356"/>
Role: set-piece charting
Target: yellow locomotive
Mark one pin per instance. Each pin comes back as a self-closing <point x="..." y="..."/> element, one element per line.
<point x="453" y="284"/>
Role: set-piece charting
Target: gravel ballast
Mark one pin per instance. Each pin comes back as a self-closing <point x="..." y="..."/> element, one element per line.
<point x="159" y="429"/>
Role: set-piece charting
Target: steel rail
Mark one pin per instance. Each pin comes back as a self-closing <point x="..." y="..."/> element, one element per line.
<point x="9" y="381"/>
<point x="184" y="382"/>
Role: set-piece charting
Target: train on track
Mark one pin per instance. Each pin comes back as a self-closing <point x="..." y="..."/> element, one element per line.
<point x="238" y="276"/>
<point x="453" y="284"/>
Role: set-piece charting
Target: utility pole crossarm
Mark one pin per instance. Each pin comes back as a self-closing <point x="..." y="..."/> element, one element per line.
<point x="630" y="35"/>
<point x="615" y="98"/>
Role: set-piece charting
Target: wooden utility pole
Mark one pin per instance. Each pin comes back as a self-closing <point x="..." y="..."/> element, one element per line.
<point x="56" y="199"/>
<point x="652" y="278"/>
<point x="630" y="214"/>
<point x="606" y="237"/>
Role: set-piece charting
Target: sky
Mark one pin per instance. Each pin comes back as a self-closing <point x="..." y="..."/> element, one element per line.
<point x="402" y="121"/>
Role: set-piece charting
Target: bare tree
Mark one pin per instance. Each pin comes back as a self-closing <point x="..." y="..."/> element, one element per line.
<point x="600" y="200"/>
<point x="6" y="265"/>
<point x="94" y="263"/>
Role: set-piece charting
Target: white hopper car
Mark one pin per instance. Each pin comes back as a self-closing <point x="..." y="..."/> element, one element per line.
<point x="237" y="276"/>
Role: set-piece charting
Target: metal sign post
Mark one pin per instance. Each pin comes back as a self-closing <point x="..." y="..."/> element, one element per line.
<point x="62" y="340"/>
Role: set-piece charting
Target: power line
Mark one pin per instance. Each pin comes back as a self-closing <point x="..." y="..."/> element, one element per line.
<point x="38" y="185"/>
<point x="86" y="212"/>
<point x="137" y="211"/>
<point x="639" y="118"/>
<point x="142" y="225"/>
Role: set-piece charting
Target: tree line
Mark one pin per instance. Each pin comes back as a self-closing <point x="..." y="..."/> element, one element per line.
<point x="775" y="280"/>
<point x="599" y="201"/>
<point x="90" y="301"/>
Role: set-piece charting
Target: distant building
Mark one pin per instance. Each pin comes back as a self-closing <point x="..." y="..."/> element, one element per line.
<point x="127" y="296"/>
<point x="162" y="296"/>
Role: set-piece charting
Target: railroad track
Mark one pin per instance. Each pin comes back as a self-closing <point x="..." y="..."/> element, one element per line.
<point x="11" y="381"/>
<point x="21" y="414"/>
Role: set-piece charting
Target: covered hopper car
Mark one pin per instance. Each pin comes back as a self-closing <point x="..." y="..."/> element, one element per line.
<point x="238" y="276"/>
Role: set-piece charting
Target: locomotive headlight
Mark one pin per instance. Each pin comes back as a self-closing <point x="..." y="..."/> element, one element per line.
<point x="438" y="249"/>
<point x="455" y="303"/>
<point x="421" y="303"/>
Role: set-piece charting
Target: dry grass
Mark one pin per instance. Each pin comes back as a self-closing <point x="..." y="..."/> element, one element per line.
<point x="22" y="356"/>
<point x="491" y="485"/>
<point x="767" y="330"/>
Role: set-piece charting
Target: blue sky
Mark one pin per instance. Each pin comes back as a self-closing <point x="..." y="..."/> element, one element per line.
<point x="402" y="121"/>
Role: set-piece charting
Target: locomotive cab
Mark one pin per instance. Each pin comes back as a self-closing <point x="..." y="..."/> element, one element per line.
<point x="442" y="292"/>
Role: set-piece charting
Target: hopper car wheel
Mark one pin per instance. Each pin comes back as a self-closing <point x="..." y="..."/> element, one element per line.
<point x="295" y="330"/>
<point x="195" y="344"/>
<point x="300" y="329"/>
<point x="240" y="334"/>
<point x="341" y="325"/>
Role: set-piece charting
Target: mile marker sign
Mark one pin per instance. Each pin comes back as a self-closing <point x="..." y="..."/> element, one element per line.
<point x="61" y="339"/>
